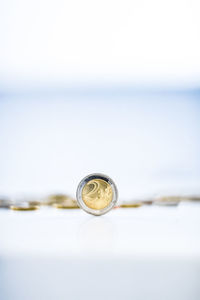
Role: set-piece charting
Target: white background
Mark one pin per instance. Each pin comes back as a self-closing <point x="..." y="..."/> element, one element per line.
<point x="148" y="144"/>
<point x="90" y="41"/>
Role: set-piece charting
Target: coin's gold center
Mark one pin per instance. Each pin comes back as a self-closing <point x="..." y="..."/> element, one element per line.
<point x="97" y="194"/>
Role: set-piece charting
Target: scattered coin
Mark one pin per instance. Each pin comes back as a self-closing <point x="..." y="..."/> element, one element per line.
<point x="193" y="198"/>
<point x="168" y="200"/>
<point x="34" y="203"/>
<point x="55" y="199"/>
<point x="129" y="204"/>
<point x="5" y="202"/>
<point x="23" y="206"/>
<point x="68" y="203"/>
<point x="148" y="202"/>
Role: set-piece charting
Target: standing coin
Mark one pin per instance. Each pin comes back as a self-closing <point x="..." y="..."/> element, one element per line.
<point x="97" y="194"/>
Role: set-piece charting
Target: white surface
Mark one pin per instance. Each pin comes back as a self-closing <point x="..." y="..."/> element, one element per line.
<point x="149" y="252"/>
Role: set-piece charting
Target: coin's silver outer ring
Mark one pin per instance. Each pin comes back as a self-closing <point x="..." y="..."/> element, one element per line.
<point x="81" y="203"/>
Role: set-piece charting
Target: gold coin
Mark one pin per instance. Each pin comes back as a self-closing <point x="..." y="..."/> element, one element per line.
<point x="24" y="207"/>
<point x="55" y="199"/>
<point x="67" y="204"/>
<point x="97" y="194"/>
<point x="127" y="205"/>
<point x="62" y="206"/>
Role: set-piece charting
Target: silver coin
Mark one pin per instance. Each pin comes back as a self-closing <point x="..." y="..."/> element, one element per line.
<point x="97" y="194"/>
<point x="5" y="202"/>
<point x="168" y="200"/>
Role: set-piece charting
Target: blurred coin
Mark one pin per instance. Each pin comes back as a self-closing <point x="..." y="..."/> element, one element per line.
<point x="55" y="199"/>
<point x="31" y="199"/>
<point x="168" y="200"/>
<point x="147" y="202"/>
<point x="68" y="203"/>
<point x="23" y="206"/>
<point x="5" y="202"/>
<point x="35" y="203"/>
<point x="128" y="204"/>
<point x="192" y="198"/>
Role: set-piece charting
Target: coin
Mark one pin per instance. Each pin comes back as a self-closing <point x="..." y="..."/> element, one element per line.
<point x="97" y="194"/>
<point x="168" y="200"/>
<point x="34" y="203"/>
<point x="24" y="206"/>
<point x="131" y="204"/>
<point x="55" y="199"/>
<point x="147" y="202"/>
<point x="69" y="203"/>
<point x="193" y="198"/>
<point x="5" y="202"/>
